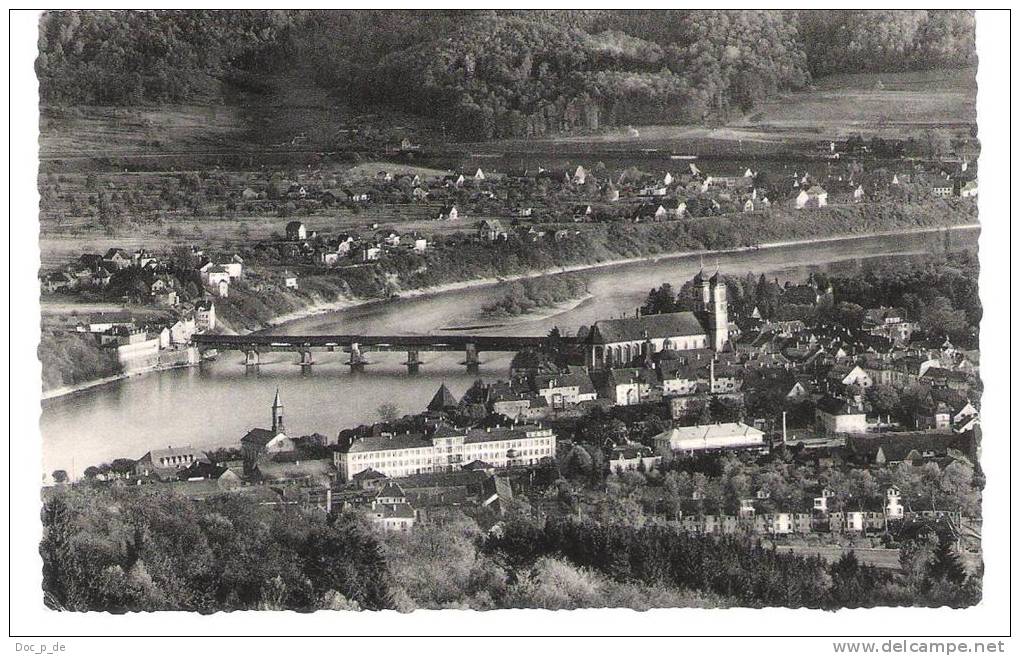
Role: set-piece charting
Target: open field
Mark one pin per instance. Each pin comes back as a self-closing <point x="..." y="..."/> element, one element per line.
<point x="890" y="104"/>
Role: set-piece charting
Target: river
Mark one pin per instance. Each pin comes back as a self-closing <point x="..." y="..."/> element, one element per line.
<point x="217" y="403"/>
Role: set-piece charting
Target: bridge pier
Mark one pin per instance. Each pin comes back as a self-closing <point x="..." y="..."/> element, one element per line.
<point x="357" y="361"/>
<point x="306" y="358"/>
<point x="251" y="358"/>
<point x="471" y="356"/>
<point x="413" y="362"/>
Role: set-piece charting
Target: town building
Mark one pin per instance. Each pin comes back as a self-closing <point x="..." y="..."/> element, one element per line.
<point x="709" y="437"/>
<point x="620" y="342"/>
<point x="445" y="449"/>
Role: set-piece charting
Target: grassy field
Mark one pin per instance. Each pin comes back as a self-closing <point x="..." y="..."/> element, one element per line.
<point x="891" y="104"/>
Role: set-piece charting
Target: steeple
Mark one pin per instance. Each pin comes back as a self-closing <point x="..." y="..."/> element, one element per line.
<point x="278" y="413"/>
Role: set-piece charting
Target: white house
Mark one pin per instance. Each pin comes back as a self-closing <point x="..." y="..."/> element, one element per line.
<point x="815" y="196"/>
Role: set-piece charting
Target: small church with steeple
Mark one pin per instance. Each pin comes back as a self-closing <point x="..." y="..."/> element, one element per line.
<point x="260" y="442"/>
<point x="629" y="341"/>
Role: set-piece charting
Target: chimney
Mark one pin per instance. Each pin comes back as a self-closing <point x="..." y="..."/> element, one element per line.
<point x="784" y="426"/>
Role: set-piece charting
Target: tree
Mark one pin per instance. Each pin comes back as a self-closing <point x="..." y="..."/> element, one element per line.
<point x="388" y="412"/>
<point x="60" y="476"/>
<point x="884" y="399"/>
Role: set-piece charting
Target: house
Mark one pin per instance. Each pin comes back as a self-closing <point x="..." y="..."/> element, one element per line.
<point x="369" y="479"/>
<point x="653" y="191"/>
<point x="117" y="258"/>
<point x="420" y="245"/>
<point x="296" y="231"/>
<point x="858" y="195"/>
<point x="491" y="230"/>
<point x="969" y="190"/>
<point x="370" y="253"/>
<point x="580" y="176"/>
<point x="709" y="437"/>
<point x="448" y="213"/>
<point x="222" y="288"/>
<point x="815" y="196"/>
<point x="943" y="190"/>
<point x="182" y="330"/>
<point x="290" y="280"/>
<point x="913" y="447"/>
<point x="390" y="237"/>
<point x="841" y="377"/>
<point x="631" y="457"/>
<point x="214" y="274"/>
<point x="479" y="175"/>
<point x="454" y="180"/>
<point x="166" y="463"/>
<point x="893" y="506"/>
<point x="523" y="212"/>
<point x="628" y="386"/>
<point x="390" y="511"/>
<point x="205" y="315"/>
<point x="834" y="415"/>
<point x="59" y="281"/>
<point x="234" y="265"/>
<point x="562" y="390"/>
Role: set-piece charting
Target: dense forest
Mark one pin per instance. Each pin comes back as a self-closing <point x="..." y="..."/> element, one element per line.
<point x="493" y="73"/>
<point x="128" y="550"/>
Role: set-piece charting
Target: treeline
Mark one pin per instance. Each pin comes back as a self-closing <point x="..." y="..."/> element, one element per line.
<point x="105" y="550"/>
<point x="70" y="359"/>
<point x="526" y="295"/>
<point x="843" y="41"/>
<point x="736" y="568"/>
<point x="128" y="550"/>
<point x="130" y="57"/>
<point x="495" y="73"/>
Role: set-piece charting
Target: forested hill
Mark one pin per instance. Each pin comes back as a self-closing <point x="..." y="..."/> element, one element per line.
<point x="494" y="73"/>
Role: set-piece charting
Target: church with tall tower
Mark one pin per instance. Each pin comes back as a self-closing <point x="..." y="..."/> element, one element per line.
<point x="629" y="341"/>
<point x="259" y="443"/>
<point x="712" y="309"/>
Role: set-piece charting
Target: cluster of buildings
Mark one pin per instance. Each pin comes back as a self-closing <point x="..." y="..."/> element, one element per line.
<point x="393" y="478"/>
<point x="820" y="518"/>
<point x="155" y="343"/>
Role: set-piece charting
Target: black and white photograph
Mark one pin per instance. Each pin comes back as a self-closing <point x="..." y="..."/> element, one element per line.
<point x="373" y="310"/>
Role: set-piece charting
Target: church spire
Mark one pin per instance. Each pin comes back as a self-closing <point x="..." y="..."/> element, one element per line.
<point x="278" y="413"/>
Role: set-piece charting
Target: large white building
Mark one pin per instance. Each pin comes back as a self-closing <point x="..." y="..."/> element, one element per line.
<point x="618" y="342"/>
<point x="709" y="437"/>
<point x="446" y="449"/>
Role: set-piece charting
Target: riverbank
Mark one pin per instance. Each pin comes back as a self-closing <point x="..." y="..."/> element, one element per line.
<point x="342" y="304"/>
<point x="345" y="304"/>
<point x="67" y="390"/>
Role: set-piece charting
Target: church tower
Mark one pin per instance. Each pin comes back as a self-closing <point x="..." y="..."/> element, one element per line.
<point x="717" y="313"/>
<point x="278" y="413"/>
<point x="702" y="291"/>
